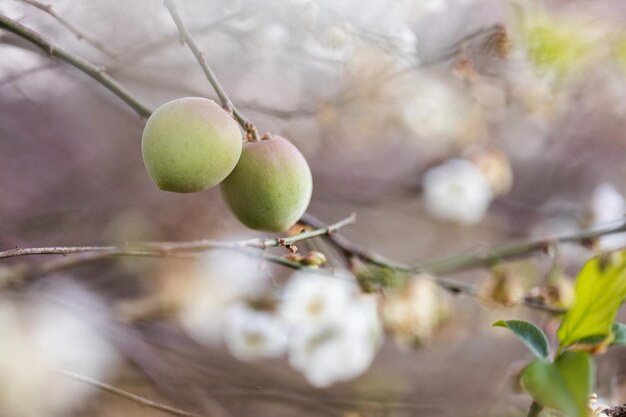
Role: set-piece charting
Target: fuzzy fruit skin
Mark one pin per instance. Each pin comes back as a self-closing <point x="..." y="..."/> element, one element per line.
<point x="271" y="185"/>
<point x="190" y="144"/>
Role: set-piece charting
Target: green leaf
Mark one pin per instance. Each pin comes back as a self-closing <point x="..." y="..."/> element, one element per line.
<point x="619" y="331"/>
<point x="531" y="335"/>
<point x="564" y="385"/>
<point x="600" y="289"/>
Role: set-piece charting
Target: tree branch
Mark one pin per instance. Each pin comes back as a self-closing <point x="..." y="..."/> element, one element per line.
<point x="508" y="251"/>
<point x="468" y="260"/>
<point x="185" y="37"/>
<point x="75" y="31"/>
<point x="144" y="402"/>
<point x="140" y="52"/>
<point x="152" y="249"/>
<point x="74" y="256"/>
<point x="92" y="70"/>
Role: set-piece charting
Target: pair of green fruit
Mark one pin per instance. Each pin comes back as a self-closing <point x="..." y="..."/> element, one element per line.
<point x="192" y="144"/>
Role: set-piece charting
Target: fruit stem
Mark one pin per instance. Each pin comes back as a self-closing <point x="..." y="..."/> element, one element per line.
<point x="185" y="37"/>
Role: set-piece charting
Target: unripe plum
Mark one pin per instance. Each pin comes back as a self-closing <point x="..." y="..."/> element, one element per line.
<point x="190" y="144"/>
<point x="271" y="186"/>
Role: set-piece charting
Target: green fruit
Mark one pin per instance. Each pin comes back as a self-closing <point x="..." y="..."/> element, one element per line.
<point x="190" y="144"/>
<point x="271" y="185"/>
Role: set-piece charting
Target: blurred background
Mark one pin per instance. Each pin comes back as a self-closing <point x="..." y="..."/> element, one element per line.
<point x="445" y="125"/>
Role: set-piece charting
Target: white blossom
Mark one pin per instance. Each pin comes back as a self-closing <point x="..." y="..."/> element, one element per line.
<point x="457" y="191"/>
<point x="608" y="205"/>
<point x="435" y="112"/>
<point x="222" y="277"/>
<point x="338" y="349"/>
<point x="39" y="336"/>
<point x="314" y="298"/>
<point x="413" y="313"/>
<point x="250" y="334"/>
<point x="268" y="41"/>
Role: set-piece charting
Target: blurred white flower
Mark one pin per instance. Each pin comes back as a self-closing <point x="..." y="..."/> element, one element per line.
<point x="250" y="334"/>
<point x="340" y="348"/>
<point x="222" y="276"/>
<point x="434" y="111"/>
<point x="38" y="336"/>
<point x="608" y="205"/>
<point x="413" y="313"/>
<point x="268" y="40"/>
<point x="457" y="191"/>
<point x="310" y="298"/>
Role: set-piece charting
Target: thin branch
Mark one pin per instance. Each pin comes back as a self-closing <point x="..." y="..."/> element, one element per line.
<point x="508" y="251"/>
<point x="152" y="249"/>
<point x="140" y="52"/>
<point x="185" y="37"/>
<point x="144" y="402"/>
<point x="468" y="260"/>
<point x="80" y="35"/>
<point x="471" y="260"/>
<point x="94" y="71"/>
<point x="74" y="256"/>
<point x="450" y="52"/>
<point x="351" y="249"/>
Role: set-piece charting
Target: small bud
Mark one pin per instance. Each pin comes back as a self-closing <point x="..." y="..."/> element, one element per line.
<point x="561" y="292"/>
<point x="496" y="167"/>
<point x="502" y="288"/>
<point x="294" y="257"/>
<point x="314" y="259"/>
<point x="499" y="42"/>
<point x="413" y="313"/>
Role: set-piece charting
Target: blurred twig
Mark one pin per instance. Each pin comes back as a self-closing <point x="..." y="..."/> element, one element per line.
<point x="508" y="251"/>
<point x="458" y="48"/>
<point x="80" y="35"/>
<point x="94" y="71"/>
<point x="22" y="74"/>
<point x="140" y="52"/>
<point x="144" y="402"/>
<point x="185" y="37"/>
